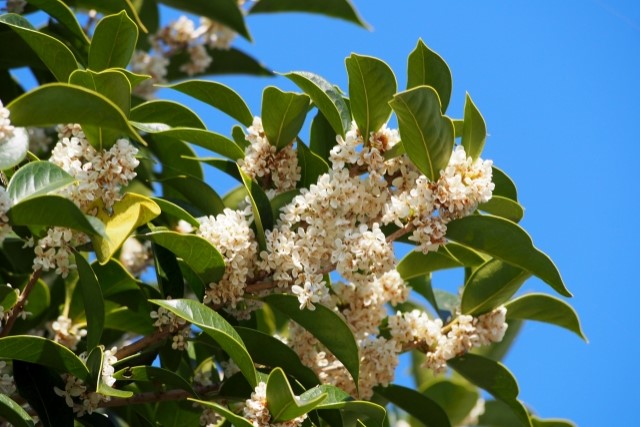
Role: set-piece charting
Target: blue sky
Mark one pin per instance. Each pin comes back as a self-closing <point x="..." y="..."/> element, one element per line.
<point x="558" y="83"/>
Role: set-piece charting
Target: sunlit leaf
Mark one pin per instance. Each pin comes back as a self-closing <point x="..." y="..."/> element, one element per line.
<point x="36" y="178"/>
<point x="426" y="67"/>
<point x="114" y="40"/>
<point x="283" y="115"/>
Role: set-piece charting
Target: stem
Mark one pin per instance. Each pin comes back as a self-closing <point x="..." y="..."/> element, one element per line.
<point x="141" y="344"/>
<point x="22" y="300"/>
<point x="156" y="396"/>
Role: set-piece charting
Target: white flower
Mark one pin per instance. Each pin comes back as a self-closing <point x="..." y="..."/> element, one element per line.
<point x="199" y="60"/>
<point x="152" y="65"/>
<point x="216" y="35"/>
<point x="65" y="332"/>
<point x="135" y="256"/>
<point x="7" y="383"/>
<point x="6" y="129"/>
<point x="5" y="205"/>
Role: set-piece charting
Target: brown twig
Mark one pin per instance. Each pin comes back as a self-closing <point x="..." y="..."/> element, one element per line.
<point x="141" y="344"/>
<point x="22" y="300"/>
<point x="157" y="396"/>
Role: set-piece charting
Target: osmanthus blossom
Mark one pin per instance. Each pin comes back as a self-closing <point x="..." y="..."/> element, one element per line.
<point x="256" y="411"/>
<point x="66" y="332"/>
<point x="167" y="321"/>
<point x="7" y="382"/>
<point x="5" y="205"/>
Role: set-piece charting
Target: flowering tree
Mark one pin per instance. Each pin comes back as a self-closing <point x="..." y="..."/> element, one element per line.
<point x="131" y="293"/>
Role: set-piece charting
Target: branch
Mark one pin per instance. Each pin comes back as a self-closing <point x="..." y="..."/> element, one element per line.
<point x="157" y="396"/>
<point x="141" y="344"/>
<point x="22" y="300"/>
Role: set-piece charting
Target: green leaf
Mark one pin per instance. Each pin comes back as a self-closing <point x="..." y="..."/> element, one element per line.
<point x="425" y="67"/>
<point x="53" y="53"/>
<point x="537" y="422"/>
<point x="491" y="285"/>
<point x="218" y="96"/>
<point x="127" y="214"/>
<point x="61" y="12"/>
<point x="14" y="149"/>
<point x="225" y="61"/>
<point x="326" y="326"/>
<point x="505" y="240"/>
<point x="283" y="115"/>
<point x="92" y="299"/>
<point x="166" y="112"/>
<point x="134" y="78"/>
<point x="545" y="308"/>
<point x="36" y="178"/>
<point x="198" y="253"/>
<point x="205" y="139"/>
<point x="416" y="404"/>
<point x="197" y="193"/>
<point x="327" y="98"/>
<point x="493" y="377"/>
<point x="225" y="12"/>
<point x="336" y="398"/>
<point x="427" y="135"/>
<point x="43" y="352"/>
<point x="322" y="137"/>
<point x="114" y="278"/>
<point x="262" y="215"/>
<point x="175" y="157"/>
<point x="499" y="414"/>
<point x="217" y="328"/>
<point x="504" y="185"/>
<point x="311" y="165"/>
<point x="113" y="43"/>
<point x="474" y="131"/>
<point x="238" y="135"/>
<point x="42" y="107"/>
<point x="235" y="420"/>
<point x="371" y="87"/>
<point x="169" y="208"/>
<point x="416" y="263"/>
<point x="168" y="272"/>
<point x="503" y="207"/>
<point x="457" y="400"/>
<point x="497" y="351"/>
<point x="13" y="413"/>
<point x="52" y="211"/>
<point x="282" y="403"/>
<point x="8" y="297"/>
<point x="342" y="9"/>
<point x="95" y="363"/>
<point x="154" y="375"/>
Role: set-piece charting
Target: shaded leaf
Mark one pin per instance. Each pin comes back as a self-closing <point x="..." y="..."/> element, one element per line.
<point x="342" y="9"/>
<point x="282" y="402"/>
<point x="198" y="193"/>
<point x="61" y="12"/>
<point x="168" y="272"/>
<point x="92" y="299"/>
<point x="154" y="375"/>
<point x="114" y="40"/>
<point x="425" y="67"/>
<point x="474" y="132"/>
<point x="13" y="413"/>
<point x="504" y="186"/>
<point x="311" y="165"/>
<point x="225" y="12"/>
<point x="36" y="178"/>
<point x="235" y="420"/>
<point x="205" y="139"/>
<point x="322" y="137"/>
<point x="166" y="112"/>
<point x="169" y="208"/>
<point x="456" y="400"/>
<point x="416" y="404"/>
<point x="225" y="61"/>
<point x="503" y="207"/>
<point x="283" y="115"/>
<point x="336" y="398"/>
<point x="262" y="216"/>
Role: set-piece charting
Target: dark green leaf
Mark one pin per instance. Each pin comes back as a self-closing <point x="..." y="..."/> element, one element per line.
<point x="169" y="208"/>
<point x="474" y="131"/>
<point x="426" y="67"/>
<point x="197" y="252"/>
<point x="282" y="403"/>
<point x="342" y="9"/>
<point x="217" y="328"/>
<point x="166" y="112"/>
<point x="43" y="352"/>
<point x="504" y="185"/>
<point x="8" y="297"/>
<point x="491" y="285"/>
<point x="499" y="414"/>
<point x="545" y="308"/>
<point x="154" y="375"/>
<point x="537" y="422"/>
<point x="225" y="61"/>
<point x="52" y="211"/>
<point x="416" y="263"/>
<point x="114" y="278"/>
<point x="113" y="43"/>
<point x="225" y="12"/>
<point x="53" y="53"/>
<point x="218" y="96"/>
<point x="327" y="98"/>
<point x="95" y="363"/>
<point x="311" y="165"/>
<point x="457" y="400"/>
<point x="93" y="301"/>
<point x="37" y="178"/>
<point x="235" y="420"/>
<point x="338" y="399"/>
<point x="61" y="12"/>
<point x="427" y="135"/>
<point x="261" y="207"/>
<point x="325" y="325"/>
<point x="322" y="136"/>
<point x="13" y="413"/>
<point x="238" y="135"/>
<point x="168" y="272"/>
<point x="283" y="115"/>
<point x="281" y="200"/>
<point x="176" y="158"/>
<point x="371" y="87"/>
<point x="205" y="139"/>
<point x="197" y="193"/>
<point x="505" y="240"/>
<point x="503" y="207"/>
<point x="416" y="404"/>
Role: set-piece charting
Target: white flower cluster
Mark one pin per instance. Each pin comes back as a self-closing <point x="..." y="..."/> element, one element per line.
<point x="135" y="256"/>
<point x="352" y="150"/>
<point x="78" y="396"/>
<point x="153" y="65"/>
<point x="39" y="140"/>
<point x="7" y="383"/>
<point x="5" y="205"/>
<point x="231" y="234"/>
<point x="16" y="6"/>
<point x="53" y="252"/>
<point x="66" y="333"/>
<point x="452" y="340"/>
<point x="257" y="412"/>
<point x="209" y="418"/>
<point x="6" y="128"/>
<point x="277" y="169"/>
<point x="167" y="321"/>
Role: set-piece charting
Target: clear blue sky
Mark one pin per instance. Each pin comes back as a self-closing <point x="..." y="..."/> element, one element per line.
<point x="558" y="83"/>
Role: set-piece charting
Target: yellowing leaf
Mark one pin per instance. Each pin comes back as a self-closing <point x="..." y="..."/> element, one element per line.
<point x="130" y="212"/>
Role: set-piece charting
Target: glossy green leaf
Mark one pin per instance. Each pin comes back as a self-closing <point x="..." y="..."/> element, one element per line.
<point x="538" y="422"/>
<point x="127" y="214"/>
<point x="14" y="150"/>
<point x="322" y="137"/>
<point x="36" y="178"/>
<point x="311" y="165"/>
<point x="227" y="166"/>
<point x="198" y="253"/>
<point x="427" y="135"/>
<point x="176" y="158"/>
<point x="53" y="211"/>
<point x="416" y="263"/>
<point x="238" y="135"/>
<point x="114" y="40"/>
<point x="166" y="112"/>
<point x="326" y="97"/>
<point x="504" y="186"/>
<point x="42" y="107"/>
<point x="372" y="413"/>
<point x="269" y="351"/>
<point x="217" y="328"/>
<point x="218" y="96"/>
<point x="325" y="325"/>
<point x="491" y="285"/>
<point x="503" y="207"/>
<point x="53" y="53"/>
<point x="114" y="278"/>
<point x="197" y="193"/>
<point x="225" y="12"/>
<point x="281" y="400"/>
<point x="342" y="9"/>
<point x="8" y="297"/>
<point x="13" y="413"/>
<point x="371" y="87"/>
<point x="134" y="78"/>
<point x="43" y="352"/>
<point x="225" y="61"/>
<point x="283" y="115"/>
<point x="493" y="377"/>
<point x="206" y="139"/>
<point x="154" y="375"/>
<point x="505" y="240"/>
<point x="171" y="209"/>
<point x="427" y="411"/>
<point x="455" y="399"/>
<point x="95" y="363"/>
<point x="92" y="299"/>
<point x="545" y="308"/>
<point x="61" y="12"/>
<point x="425" y="67"/>
<point x="262" y="216"/>
<point x="230" y="416"/>
<point x="474" y="132"/>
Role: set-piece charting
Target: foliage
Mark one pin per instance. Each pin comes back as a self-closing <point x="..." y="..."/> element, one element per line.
<point x="132" y="293"/>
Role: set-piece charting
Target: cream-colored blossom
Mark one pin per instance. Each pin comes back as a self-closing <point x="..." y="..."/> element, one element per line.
<point x="66" y="332"/>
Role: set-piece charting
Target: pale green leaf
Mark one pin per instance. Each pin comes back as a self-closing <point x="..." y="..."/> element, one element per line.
<point x="36" y="178"/>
